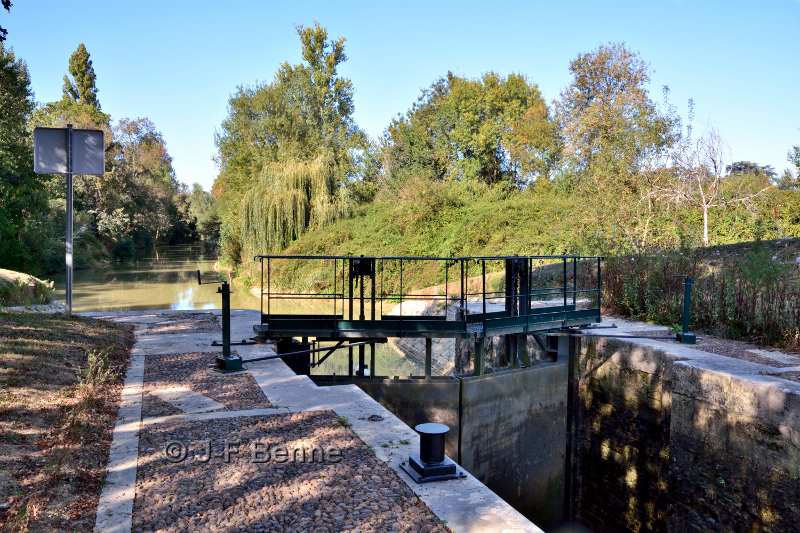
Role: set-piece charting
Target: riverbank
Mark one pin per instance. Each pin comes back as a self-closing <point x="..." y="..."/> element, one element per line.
<point x="20" y="289"/>
<point x="60" y="384"/>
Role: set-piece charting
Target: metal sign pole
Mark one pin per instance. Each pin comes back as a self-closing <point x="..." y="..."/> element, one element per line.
<point x="64" y="151"/>
<point x="69" y="219"/>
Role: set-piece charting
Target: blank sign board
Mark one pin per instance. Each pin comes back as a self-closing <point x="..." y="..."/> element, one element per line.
<point x="50" y="151"/>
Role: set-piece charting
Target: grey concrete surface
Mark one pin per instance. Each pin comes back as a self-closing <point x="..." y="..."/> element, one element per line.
<point x="115" y="510"/>
<point x="187" y="400"/>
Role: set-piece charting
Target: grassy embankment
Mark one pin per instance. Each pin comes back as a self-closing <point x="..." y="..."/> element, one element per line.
<point x="17" y="288"/>
<point x="741" y="291"/>
<point x="60" y="381"/>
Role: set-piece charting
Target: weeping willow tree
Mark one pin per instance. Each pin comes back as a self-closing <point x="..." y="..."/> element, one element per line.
<point x="290" y="198"/>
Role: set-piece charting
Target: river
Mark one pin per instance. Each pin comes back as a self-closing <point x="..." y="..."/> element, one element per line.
<point x="165" y="278"/>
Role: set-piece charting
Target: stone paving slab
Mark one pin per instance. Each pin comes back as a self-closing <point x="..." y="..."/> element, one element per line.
<point x="213" y="415"/>
<point x="187" y="400"/>
<point x="115" y="509"/>
<point x="232" y="392"/>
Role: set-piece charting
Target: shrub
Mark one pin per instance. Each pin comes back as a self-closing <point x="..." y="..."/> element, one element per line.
<point x="124" y="250"/>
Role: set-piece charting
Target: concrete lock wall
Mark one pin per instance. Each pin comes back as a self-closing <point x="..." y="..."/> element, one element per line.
<point x="513" y="437"/>
<point x="419" y="401"/>
<point x="507" y="429"/>
<point x="672" y="443"/>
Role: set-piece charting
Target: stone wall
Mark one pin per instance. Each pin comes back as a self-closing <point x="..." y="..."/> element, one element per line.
<point x="673" y="439"/>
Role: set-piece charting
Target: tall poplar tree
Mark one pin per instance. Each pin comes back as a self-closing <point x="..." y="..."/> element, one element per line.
<point x="81" y="88"/>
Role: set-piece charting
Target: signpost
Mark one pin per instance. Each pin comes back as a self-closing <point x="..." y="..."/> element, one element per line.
<point x="68" y="151"/>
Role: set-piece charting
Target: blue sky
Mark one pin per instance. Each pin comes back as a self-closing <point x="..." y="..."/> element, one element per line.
<point x="177" y="62"/>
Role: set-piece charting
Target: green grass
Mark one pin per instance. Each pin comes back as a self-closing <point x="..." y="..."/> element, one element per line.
<point x="17" y="288"/>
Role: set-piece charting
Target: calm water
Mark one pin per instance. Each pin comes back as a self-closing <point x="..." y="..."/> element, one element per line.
<point x="159" y="279"/>
<point x="165" y="278"/>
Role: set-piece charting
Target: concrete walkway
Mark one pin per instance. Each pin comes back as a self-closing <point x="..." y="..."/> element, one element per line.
<point x="465" y="505"/>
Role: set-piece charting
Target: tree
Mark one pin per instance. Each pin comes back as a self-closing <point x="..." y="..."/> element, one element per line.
<point x="81" y="89"/>
<point x="136" y="199"/>
<point x="305" y="113"/>
<point x="3" y="32"/>
<point x="746" y="167"/>
<point x="22" y="196"/>
<point x="794" y="157"/>
<point x="289" y="199"/>
<point x="701" y="178"/>
<point x="787" y="181"/>
<point x="493" y="129"/>
<point x="610" y="125"/>
<point x="202" y="207"/>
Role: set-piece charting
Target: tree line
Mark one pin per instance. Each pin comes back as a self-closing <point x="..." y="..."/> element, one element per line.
<point x="292" y="158"/>
<point x="138" y="202"/>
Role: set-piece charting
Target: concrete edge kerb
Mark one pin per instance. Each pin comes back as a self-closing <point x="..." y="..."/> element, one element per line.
<point x="115" y="509"/>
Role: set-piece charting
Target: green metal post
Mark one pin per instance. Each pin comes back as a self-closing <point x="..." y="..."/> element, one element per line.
<point x="226" y="363"/>
<point x="372" y="360"/>
<point x="225" y="290"/>
<point x="479" y="357"/>
<point x="685" y="337"/>
<point x="428" y="356"/>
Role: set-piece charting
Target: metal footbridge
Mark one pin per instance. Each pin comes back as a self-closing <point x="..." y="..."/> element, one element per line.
<point x="371" y="300"/>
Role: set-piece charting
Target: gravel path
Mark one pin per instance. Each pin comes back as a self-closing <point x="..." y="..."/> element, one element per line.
<point x="791" y="376"/>
<point x="354" y="492"/>
<point x="236" y="391"/>
<point x="729" y="348"/>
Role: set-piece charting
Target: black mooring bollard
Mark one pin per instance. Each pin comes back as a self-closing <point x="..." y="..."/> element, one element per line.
<point x="431" y="442"/>
<point x="431" y="464"/>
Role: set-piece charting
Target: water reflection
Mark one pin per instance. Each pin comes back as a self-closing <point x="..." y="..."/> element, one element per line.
<point x="388" y="362"/>
<point x="163" y="278"/>
<point x="166" y="278"/>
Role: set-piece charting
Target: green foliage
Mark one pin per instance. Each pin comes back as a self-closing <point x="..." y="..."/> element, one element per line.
<point x="493" y="129"/>
<point x="203" y="209"/>
<point x="141" y="188"/>
<point x="748" y="290"/>
<point x="3" y="32"/>
<point x="21" y="289"/>
<point x="81" y="88"/>
<point x="305" y="113"/>
<point x="290" y="198"/>
<point x="22" y="195"/>
<point x="794" y="157"/>
<point x="612" y="129"/>
<point x="124" y="250"/>
<point x="787" y="181"/>
<point x="746" y="167"/>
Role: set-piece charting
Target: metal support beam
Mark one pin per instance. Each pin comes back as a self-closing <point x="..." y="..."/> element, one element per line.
<point x="69" y="220"/>
<point x="479" y="357"/>
<point x="372" y="360"/>
<point x="428" y="357"/>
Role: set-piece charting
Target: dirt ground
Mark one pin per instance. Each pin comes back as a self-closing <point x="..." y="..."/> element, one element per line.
<point x="60" y="381"/>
